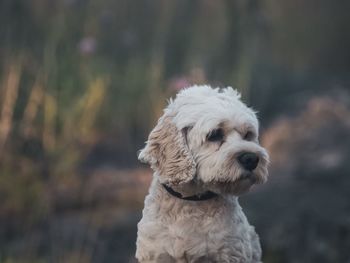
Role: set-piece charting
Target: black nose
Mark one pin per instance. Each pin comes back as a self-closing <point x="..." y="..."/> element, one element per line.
<point x="249" y="161"/>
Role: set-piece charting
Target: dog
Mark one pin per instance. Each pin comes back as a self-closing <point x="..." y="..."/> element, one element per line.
<point x="204" y="152"/>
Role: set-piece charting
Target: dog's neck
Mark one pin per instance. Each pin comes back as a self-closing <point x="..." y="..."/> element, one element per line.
<point x="186" y="190"/>
<point x="204" y="196"/>
<point x="158" y="191"/>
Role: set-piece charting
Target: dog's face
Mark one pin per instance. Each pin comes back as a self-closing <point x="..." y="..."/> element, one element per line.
<point x="209" y="138"/>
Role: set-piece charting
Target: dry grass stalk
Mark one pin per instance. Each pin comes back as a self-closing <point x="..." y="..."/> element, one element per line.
<point x="10" y="91"/>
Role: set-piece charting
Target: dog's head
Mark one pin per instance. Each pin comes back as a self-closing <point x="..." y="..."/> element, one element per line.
<point x="210" y="138"/>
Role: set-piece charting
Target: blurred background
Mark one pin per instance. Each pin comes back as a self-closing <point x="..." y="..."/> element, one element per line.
<point x="82" y="82"/>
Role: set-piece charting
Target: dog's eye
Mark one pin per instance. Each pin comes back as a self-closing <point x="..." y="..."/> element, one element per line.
<point x="248" y="136"/>
<point x="216" y="135"/>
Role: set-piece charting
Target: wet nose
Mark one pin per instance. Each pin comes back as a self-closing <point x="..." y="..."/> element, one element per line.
<point x="248" y="160"/>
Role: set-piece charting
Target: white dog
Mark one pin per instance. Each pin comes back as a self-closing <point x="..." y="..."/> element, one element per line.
<point x="205" y="153"/>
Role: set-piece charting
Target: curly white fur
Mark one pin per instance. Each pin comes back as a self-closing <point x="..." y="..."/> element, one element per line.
<point x="182" y="157"/>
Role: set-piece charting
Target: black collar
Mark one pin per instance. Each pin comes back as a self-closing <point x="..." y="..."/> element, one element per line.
<point x="199" y="197"/>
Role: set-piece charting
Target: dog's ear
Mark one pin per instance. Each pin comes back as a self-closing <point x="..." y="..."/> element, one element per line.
<point x="168" y="154"/>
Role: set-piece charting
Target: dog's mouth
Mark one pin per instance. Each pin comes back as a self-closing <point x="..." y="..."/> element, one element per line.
<point x="248" y="176"/>
<point x="245" y="176"/>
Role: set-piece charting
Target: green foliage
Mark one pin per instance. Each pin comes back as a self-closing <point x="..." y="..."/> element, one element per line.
<point x="23" y="194"/>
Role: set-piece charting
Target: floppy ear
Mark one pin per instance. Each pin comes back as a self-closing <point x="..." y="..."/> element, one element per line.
<point x="168" y="154"/>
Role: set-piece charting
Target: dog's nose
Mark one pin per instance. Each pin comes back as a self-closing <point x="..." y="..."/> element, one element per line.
<point x="248" y="160"/>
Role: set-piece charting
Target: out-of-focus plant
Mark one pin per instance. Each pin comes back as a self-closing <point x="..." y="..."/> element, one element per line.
<point x="75" y="75"/>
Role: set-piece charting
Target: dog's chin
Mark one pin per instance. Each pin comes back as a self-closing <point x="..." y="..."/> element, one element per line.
<point x="235" y="187"/>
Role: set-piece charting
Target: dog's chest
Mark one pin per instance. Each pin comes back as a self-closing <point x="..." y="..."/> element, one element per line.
<point x="219" y="233"/>
<point x="205" y="237"/>
<point x="203" y="241"/>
